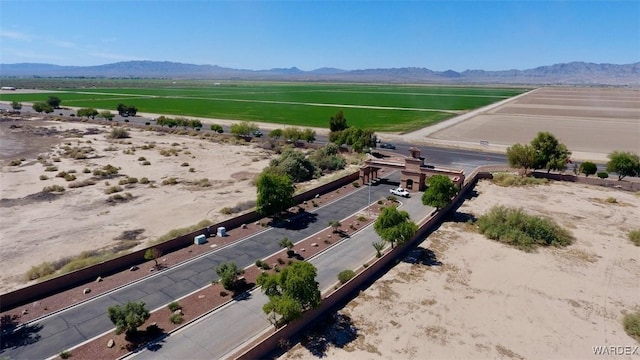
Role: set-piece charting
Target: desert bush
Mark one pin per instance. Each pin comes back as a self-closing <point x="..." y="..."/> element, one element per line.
<point x="176" y="319"/>
<point x="392" y="198"/>
<point x="170" y="181"/>
<point x="146" y="162"/>
<point x="15" y="162"/>
<point x="83" y="183"/>
<point x="217" y="128"/>
<point x="507" y="179"/>
<point x="603" y="174"/>
<point x="174" y="305"/>
<point x="362" y="218"/>
<point x="111" y="148"/>
<point x="631" y="324"/>
<point x="65" y="354"/>
<point x="53" y="188"/>
<point x="192" y="169"/>
<point x="113" y="189"/>
<point x="184" y="164"/>
<point x="144" y="180"/>
<point x="611" y="200"/>
<point x="239" y="207"/>
<point x="142" y="158"/>
<point x="526" y="232"/>
<point x="56" y="159"/>
<point x="41" y="270"/>
<point x="281" y="261"/>
<point x="106" y="171"/>
<point x="128" y="180"/>
<point x="44" y="177"/>
<point x="265" y="266"/>
<point x="355" y="184"/>
<point x="69" y="177"/>
<point x="119" y="198"/>
<point x="258" y="263"/>
<point x="51" y="168"/>
<point x="61" y="174"/>
<point x="119" y="133"/>
<point x="634" y="236"/>
<point x="345" y="276"/>
<point x="72" y="171"/>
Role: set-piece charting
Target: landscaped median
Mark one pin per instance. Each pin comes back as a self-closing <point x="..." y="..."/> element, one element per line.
<point x="211" y="298"/>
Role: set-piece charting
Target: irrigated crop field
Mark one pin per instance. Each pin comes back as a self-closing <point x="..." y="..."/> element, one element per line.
<point x="379" y="107"/>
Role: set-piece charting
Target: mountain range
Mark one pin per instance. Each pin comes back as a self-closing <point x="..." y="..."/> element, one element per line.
<point x="573" y="73"/>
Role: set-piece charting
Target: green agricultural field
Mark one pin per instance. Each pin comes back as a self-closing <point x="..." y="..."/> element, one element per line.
<point x="391" y="108"/>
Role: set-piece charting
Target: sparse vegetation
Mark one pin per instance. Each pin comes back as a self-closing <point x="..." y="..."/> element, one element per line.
<point x="44" y="177"/>
<point x="119" y="133"/>
<point x="526" y="232"/>
<point x="51" y="168"/>
<point x="170" y="181"/>
<point x="507" y="180"/>
<point x="182" y="231"/>
<point x="15" y="162"/>
<point x="83" y="183"/>
<point x="176" y="319"/>
<point x="53" y="188"/>
<point x="113" y="189"/>
<point x="634" y="237"/>
<point x="631" y="323"/>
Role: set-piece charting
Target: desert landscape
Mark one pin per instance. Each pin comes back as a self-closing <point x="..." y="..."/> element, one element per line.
<point x="163" y="182"/>
<point x="477" y="298"/>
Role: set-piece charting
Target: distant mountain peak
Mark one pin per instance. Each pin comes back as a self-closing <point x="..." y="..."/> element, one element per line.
<point x="571" y="73"/>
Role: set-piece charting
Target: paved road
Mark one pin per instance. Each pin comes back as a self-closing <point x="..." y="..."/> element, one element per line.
<point x="63" y="330"/>
<point x="222" y="333"/>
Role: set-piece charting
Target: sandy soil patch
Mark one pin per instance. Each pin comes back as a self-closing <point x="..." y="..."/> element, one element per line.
<point x="488" y="300"/>
<point x="37" y="227"/>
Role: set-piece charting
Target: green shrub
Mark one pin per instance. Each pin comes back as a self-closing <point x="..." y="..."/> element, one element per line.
<point x="69" y="177"/>
<point x="346" y="275"/>
<point x="603" y="174"/>
<point x="259" y="263"/>
<point x="217" y="128"/>
<point x="362" y="218"/>
<point x="51" y="168"/>
<point x="128" y="180"/>
<point x="173" y="306"/>
<point x="53" y="188"/>
<point x="265" y="266"/>
<point x="631" y="324"/>
<point x="38" y="271"/>
<point x="634" y="236"/>
<point x="113" y="189"/>
<point x="515" y="227"/>
<point x="44" y="177"/>
<point x="65" y="354"/>
<point x="280" y="261"/>
<point x="355" y="184"/>
<point x="176" y="319"/>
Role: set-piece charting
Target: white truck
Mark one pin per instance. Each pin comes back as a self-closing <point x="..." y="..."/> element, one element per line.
<point x="400" y="191"/>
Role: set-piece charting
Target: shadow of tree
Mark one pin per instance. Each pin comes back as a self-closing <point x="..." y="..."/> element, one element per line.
<point x="422" y="256"/>
<point x="14" y="336"/>
<point x="297" y="222"/>
<point x="461" y="217"/>
<point x="336" y="330"/>
<point x="152" y="335"/>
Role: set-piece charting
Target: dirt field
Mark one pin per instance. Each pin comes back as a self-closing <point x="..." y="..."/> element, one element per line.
<point x="588" y="120"/>
<point x="479" y="299"/>
<point x="39" y="227"/>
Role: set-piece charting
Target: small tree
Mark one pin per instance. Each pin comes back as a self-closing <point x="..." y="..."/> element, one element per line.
<point x="217" y="128"/>
<point x="275" y="133"/>
<point x="229" y="273"/>
<point x="309" y="135"/>
<point x="335" y="224"/>
<point x="243" y="129"/>
<point x="42" y="107"/>
<point x="624" y="164"/>
<point x="129" y="317"/>
<point x="275" y="192"/>
<point x="290" y="292"/>
<point x="88" y="112"/>
<point x="16" y="105"/>
<point x="550" y="153"/>
<point x="286" y="243"/>
<point x="588" y="168"/>
<point x="521" y="156"/>
<point x="54" y="102"/>
<point x="338" y="122"/>
<point x="395" y="226"/>
<point x="379" y="246"/>
<point x="106" y="114"/>
<point x="440" y="191"/>
<point x="153" y="254"/>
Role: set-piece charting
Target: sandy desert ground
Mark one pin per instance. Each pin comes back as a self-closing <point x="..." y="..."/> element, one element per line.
<point x="490" y="301"/>
<point x="37" y="228"/>
<point x="592" y="122"/>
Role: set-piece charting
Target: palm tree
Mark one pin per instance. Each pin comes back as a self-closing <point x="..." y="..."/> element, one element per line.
<point x="378" y="245"/>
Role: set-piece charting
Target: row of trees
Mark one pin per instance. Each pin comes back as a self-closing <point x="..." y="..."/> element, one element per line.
<point x="546" y="152"/>
<point x="126" y="110"/>
<point x="342" y="134"/>
<point x="179" y="121"/>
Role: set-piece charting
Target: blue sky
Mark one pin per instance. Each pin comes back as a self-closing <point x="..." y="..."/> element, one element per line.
<point x="439" y="35"/>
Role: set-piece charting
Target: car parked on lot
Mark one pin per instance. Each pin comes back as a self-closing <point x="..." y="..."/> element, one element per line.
<point x="400" y="191"/>
<point x="387" y="146"/>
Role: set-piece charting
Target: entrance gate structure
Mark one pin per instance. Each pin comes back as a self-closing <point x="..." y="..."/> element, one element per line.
<point x="414" y="172"/>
